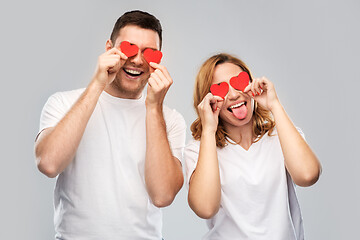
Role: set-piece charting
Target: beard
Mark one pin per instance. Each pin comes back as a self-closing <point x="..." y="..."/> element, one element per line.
<point x="128" y="87"/>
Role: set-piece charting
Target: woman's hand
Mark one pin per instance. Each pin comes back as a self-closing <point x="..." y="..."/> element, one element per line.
<point x="209" y="110"/>
<point x="300" y="161"/>
<point x="263" y="92"/>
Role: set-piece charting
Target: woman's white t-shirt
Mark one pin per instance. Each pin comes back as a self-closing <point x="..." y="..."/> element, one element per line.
<point x="258" y="199"/>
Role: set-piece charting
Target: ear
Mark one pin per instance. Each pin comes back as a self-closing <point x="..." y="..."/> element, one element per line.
<point x="108" y="45"/>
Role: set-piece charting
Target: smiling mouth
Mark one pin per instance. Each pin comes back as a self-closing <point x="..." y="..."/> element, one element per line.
<point x="133" y="73"/>
<point x="230" y="109"/>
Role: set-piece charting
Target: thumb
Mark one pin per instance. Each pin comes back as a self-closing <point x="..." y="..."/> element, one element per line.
<point x="217" y="111"/>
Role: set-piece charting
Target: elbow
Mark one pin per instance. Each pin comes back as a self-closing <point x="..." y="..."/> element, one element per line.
<point x="47" y="169"/>
<point x="204" y="210"/>
<point x="163" y="196"/>
<point x="308" y="179"/>
<point x="45" y="165"/>
<point x="162" y="201"/>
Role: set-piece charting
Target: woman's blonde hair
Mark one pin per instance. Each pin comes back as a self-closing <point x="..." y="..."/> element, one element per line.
<point x="262" y="119"/>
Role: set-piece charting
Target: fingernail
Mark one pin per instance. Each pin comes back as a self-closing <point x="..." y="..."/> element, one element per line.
<point x="258" y="93"/>
<point x="253" y="94"/>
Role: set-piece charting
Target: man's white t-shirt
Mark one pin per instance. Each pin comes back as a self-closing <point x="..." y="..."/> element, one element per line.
<point x="101" y="194"/>
<point x="258" y="199"/>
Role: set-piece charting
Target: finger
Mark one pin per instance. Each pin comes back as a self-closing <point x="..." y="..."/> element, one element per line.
<point x="167" y="81"/>
<point x="116" y="51"/>
<point x="217" y="111"/>
<point x="110" y="61"/>
<point x="213" y="105"/>
<point x="152" y="83"/>
<point x="265" y="83"/>
<point x="254" y="86"/>
<point x="249" y="90"/>
<point x="218" y="108"/>
<point x="158" y="80"/>
<point x="152" y="67"/>
<point x="162" y="68"/>
<point x="206" y="99"/>
<point x="113" y="50"/>
<point x="112" y="64"/>
<point x="257" y="87"/>
<point x="250" y="94"/>
<point x="220" y="104"/>
<point x="218" y="98"/>
<point x="123" y="56"/>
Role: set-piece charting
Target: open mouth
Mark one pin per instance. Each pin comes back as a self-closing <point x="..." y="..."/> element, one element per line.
<point x="132" y="72"/>
<point x="238" y="105"/>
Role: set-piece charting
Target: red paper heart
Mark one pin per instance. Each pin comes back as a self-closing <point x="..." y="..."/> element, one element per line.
<point x="151" y="55"/>
<point x="220" y="89"/>
<point x="129" y="49"/>
<point x="240" y="81"/>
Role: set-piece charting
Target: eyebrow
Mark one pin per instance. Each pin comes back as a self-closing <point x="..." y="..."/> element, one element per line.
<point x="155" y="49"/>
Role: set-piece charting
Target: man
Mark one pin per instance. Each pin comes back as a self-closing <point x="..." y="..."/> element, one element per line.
<point x="116" y="151"/>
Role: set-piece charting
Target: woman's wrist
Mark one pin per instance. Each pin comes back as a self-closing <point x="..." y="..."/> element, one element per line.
<point x="275" y="106"/>
<point x="276" y="109"/>
<point x="208" y="132"/>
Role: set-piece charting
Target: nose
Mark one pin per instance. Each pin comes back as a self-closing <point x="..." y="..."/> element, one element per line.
<point x="137" y="59"/>
<point x="233" y="94"/>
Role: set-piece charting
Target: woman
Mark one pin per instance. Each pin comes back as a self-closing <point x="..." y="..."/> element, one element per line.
<point x="245" y="157"/>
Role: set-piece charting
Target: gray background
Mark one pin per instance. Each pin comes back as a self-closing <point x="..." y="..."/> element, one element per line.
<point x="309" y="49"/>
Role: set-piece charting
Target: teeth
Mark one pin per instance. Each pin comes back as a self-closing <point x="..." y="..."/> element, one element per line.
<point x="237" y="105"/>
<point x="132" y="71"/>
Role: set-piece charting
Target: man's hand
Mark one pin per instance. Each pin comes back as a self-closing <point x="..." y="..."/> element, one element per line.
<point x="109" y="63"/>
<point x="159" y="83"/>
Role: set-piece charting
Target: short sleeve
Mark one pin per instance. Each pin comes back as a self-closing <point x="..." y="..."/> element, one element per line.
<point x="57" y="106"/>
<point x="176" y="132"/>
<point x="52" y="112"/>
<point x="301" y="132"/>
<point x="297" y="128"/>
<point x="191" y="155"/>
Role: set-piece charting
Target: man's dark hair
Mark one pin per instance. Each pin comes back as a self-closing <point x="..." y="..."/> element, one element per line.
<point x="137" y="18"/>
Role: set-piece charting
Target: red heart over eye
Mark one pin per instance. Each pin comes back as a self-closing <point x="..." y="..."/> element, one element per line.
<point x="220" y="89"/>
<point x="152" y="55"/>
<point x="240" y="82"/>
<point x="129" y="49"/>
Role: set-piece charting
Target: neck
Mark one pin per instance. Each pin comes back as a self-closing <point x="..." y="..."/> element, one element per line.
<point x="242" y="135"/>
<point x="120" y="93"/>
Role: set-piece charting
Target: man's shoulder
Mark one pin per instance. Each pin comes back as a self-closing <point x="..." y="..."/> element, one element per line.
<point x="171" y="115"/>
<point x="70" y="94"/>
<point x="66" y="97"/>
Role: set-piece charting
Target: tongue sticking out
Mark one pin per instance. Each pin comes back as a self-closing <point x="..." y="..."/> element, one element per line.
<point x="240" y="112"/>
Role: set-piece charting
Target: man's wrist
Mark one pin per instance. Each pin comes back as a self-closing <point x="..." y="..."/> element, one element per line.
<point x="154" y="109"/>
<point x="96" y="85"/>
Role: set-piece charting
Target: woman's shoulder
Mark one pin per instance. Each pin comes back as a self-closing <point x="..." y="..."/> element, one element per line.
<point x="274" y="133"/>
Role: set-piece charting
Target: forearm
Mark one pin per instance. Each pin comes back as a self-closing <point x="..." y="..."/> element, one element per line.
<point x="55" y="148"/>
<point x="300" y="161"/>
<point x="204" y="188"/>
<point x="163" y="172"/>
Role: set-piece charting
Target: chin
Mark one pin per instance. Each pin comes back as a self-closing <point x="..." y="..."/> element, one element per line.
<point x="230" y="119"/>
<point x="130" y="85"/>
